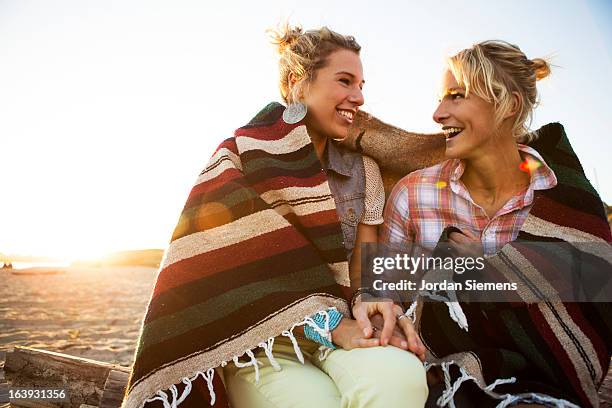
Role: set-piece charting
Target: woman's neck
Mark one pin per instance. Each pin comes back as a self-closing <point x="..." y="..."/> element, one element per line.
<point x="493" y="178"/>
<point x="319" y="143"/>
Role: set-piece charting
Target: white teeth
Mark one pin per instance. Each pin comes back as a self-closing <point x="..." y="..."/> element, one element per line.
<point x="448" y="131"/>
<point x="346" y="114"/>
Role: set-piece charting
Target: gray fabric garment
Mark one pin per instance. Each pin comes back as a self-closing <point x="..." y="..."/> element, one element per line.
<point x="346" y="176"/>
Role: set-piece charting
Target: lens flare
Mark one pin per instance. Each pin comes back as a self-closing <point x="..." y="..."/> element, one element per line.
<point x="211" y="215"/>
<point x="529" y="165"/>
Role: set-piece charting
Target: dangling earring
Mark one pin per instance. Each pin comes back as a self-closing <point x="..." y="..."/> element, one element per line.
<point x="294" y="113"/>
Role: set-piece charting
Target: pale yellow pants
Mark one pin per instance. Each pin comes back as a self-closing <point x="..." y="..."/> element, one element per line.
<point x="377" y="377"/>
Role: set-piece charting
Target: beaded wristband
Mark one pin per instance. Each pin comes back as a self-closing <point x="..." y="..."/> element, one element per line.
<point x="319" y="318"/>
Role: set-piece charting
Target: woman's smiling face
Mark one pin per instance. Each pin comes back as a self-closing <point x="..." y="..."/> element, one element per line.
<point x="334" y="95"/>
<point x="467" y="121"/>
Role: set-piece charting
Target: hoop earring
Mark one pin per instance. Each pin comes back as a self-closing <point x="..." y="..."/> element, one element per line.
<point x="294" y="113"/>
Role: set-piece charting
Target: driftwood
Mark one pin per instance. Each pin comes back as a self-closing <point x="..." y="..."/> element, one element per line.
<point x="88" y="382"/>
<point x="114" y="389"/>
<point x="4" y="388"/>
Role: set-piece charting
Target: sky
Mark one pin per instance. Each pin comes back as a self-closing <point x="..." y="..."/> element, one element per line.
<point x="110" y="109"/>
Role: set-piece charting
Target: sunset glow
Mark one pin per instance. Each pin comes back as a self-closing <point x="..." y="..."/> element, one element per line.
<point x="109" y="111"/>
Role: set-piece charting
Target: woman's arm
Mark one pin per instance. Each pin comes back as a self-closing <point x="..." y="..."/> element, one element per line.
<point x="397" y="230"/>
<point x="365" y="234"/>
<point x="396" y="150"/>
<point x="406" y="337"/>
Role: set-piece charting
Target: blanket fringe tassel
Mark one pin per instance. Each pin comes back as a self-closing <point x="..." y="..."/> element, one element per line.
<point x="176" y="400"/>
<point x="454" y="308"/>
<point x="447" y="397"/>
<point x="171" y="399"/>
<point x="411" y="311"/>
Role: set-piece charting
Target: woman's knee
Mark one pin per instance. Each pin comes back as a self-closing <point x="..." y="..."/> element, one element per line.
<point x="399" y="372"/>
<point x="296" y="386"/>
<point x="379" y="377"/>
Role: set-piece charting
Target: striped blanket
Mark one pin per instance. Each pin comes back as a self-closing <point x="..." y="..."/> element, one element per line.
<point x="552" y="352"/>
<point x="258" y="247"/>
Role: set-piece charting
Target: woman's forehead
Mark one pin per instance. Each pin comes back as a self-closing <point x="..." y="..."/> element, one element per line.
<point x="344" y="61"/>
<point x="449" y="85"/>
<point x="449" y="80"/>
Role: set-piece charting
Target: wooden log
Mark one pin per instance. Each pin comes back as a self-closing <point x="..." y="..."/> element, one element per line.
<point x="4" y="393"/>
<point x="33" y="404"/>
<point x="114" y="389"/>
<point x="4" y="388"/>
<point x="83" y="378"/>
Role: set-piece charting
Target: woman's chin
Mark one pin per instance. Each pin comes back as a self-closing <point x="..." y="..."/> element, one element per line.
<point x="339" y="134"/>
<point x="452" y="152"/>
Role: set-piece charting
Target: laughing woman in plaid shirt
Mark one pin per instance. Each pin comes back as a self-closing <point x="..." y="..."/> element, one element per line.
<point x="495" y="189"/>
<point x="486" y="187"/>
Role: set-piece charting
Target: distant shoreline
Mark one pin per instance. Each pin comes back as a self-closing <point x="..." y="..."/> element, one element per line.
<point x="17" y="265"/>
<point x="143" y="257"/>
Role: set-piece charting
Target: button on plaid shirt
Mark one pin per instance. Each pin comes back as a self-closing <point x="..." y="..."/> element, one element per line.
<point x="427" y="201"/>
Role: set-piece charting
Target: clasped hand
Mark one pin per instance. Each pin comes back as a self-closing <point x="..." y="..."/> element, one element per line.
<point x="376" y="324"/>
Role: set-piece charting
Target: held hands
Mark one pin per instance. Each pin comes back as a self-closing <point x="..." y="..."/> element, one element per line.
<point x="363" y="310"/>
<point x="403" y="331"/>
<point x="378" y="325"/>
<point x="348" y="335"/>
<point x="381" y="323"/>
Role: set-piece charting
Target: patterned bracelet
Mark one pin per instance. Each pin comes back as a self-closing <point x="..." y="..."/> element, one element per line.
<point x="319" y="319"/>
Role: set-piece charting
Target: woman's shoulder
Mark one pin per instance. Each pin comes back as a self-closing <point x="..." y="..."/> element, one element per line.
<point x="370" y="164"/>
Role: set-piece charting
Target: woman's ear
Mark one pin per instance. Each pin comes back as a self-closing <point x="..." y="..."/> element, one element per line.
<point x="295" y="86"/>
<point x="293" y="80"/>
<point x="517" y="104"/>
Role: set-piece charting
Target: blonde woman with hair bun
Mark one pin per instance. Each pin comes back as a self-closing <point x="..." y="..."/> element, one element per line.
<point x="321" y="81"/>
<point x="486" y="100"/>
<point x="261" y="283"/>
<point x="494" y="188"/>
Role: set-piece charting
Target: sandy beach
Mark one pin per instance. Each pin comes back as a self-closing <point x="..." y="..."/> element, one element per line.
<point x="88" y="312"/>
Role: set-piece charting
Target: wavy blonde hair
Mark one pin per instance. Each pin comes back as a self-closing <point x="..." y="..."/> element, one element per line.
<point x="303" y="53"/>
<point x="493" y="70"/>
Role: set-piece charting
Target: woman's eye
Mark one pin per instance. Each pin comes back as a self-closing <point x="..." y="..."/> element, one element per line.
<point x="345" y="81"/>
<point x="456" y="96"/>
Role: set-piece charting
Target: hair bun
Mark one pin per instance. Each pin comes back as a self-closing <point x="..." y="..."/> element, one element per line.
<point x="541" y="68"/>
<point x="285" y="36"/>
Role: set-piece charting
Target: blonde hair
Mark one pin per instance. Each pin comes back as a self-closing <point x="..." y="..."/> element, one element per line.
<point x="303" y="53"/>
<point x="493" y="70"/>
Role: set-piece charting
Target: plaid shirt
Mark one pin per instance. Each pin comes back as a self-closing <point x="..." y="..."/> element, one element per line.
<point x="427" y="201"/>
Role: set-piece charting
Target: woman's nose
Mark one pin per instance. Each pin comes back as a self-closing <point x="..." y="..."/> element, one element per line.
<point x="356" y="97"/>
<point x="440" y="113"/>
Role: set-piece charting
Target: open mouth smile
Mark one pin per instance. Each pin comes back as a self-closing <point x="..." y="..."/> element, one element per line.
<point x="451" y="132"/>
<point x="346" y="114"/>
